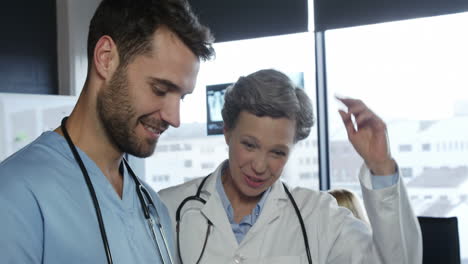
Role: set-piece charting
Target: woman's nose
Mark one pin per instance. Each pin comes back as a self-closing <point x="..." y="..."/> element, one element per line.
<point x="259" y="164"/>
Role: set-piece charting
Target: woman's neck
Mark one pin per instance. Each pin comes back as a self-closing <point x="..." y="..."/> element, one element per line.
<point x="241" y="205"/>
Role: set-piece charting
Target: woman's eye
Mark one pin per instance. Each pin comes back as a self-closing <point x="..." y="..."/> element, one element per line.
<point x="279" y="153"/>
<point x="248" y="145"/>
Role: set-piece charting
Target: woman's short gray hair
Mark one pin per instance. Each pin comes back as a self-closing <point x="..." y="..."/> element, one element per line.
<point x="269" y="93"/>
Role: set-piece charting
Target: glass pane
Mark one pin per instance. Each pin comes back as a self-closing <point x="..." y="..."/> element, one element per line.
<point x="187" y="152"/>
<point x="413" y="74"/>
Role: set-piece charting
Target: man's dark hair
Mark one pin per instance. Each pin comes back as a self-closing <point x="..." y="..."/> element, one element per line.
<point x="131" y="24"/>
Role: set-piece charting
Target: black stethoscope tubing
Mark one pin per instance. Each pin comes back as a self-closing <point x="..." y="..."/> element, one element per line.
<point x="139" y="189"/>
<point x="198" y="198"/>
<point x="195" y="197"/>
<point x="92" y="192"/>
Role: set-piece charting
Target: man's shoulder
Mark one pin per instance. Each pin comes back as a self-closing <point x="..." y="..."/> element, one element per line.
<point x="36" y="162"/>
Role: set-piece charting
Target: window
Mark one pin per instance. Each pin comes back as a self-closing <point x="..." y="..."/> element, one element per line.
<point x="187" y="146"/>
<point x="188" y="163"/>
<point x="162" y="148"/>
<point x="426" y="147"/>
<point x="207" y="165"/>
<point x="406" y="172"/>
<point x="174" y="147"/>
<point x="306" y="176"/>
<point x="405" y="148"/>
<point x="207" y="149"/>
<point x="160" y="178"/>
<point x="389" y="66"/>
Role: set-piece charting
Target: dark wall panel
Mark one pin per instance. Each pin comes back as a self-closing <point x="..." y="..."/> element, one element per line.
<point x="244" y="19"/>
<point x="28" y="47"/>
<point x="331" y="14"/>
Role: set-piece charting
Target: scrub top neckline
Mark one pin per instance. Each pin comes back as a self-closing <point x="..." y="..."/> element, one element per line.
<point x="106" y="190"/>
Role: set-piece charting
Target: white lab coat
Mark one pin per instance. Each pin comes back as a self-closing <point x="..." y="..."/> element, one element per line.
<point x="335" y="236"/>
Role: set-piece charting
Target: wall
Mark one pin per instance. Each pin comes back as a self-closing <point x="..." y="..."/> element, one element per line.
<point x="73" y="19"/>
<point x="28" y="57"/>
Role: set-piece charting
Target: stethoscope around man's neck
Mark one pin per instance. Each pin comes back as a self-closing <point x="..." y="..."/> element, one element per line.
<point x="144" y="196"/>
<point x="197" y="197"/>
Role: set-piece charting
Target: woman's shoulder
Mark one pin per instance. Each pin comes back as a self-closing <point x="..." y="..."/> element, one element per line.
<point x="317" y="204"/>
<point x="320" y="211"/>
<point x="173" y="195"/>
<point x="306" y="196"/>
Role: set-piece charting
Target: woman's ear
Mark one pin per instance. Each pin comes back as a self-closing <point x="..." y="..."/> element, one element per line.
<point x="227" y="134"/>
<point x="106" y="57"/>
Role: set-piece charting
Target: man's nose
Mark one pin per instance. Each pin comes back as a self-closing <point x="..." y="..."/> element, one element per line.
<point x="171" y="111"/>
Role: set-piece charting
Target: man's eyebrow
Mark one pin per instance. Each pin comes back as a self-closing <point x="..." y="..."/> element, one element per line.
<point x="170" y="85"/>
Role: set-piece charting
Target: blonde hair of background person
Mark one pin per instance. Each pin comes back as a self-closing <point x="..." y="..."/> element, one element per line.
<point x="348" y="199"/>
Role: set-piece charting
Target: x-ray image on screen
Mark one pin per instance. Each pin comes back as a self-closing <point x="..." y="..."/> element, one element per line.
<point x="214" y="105"/>
<point x="297" y="78"/>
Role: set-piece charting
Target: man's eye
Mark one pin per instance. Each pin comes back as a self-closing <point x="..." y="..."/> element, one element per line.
<point x="158" y="91"/>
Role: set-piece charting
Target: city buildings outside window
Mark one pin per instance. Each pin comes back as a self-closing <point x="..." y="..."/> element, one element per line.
<point x="426" y="147"/>
<point x="413" y="74"/>
<point x="405" y="148"/>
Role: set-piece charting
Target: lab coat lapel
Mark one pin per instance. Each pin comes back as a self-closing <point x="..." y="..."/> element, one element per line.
<point x="271" y="211"/>
<point x="213" y="209"/>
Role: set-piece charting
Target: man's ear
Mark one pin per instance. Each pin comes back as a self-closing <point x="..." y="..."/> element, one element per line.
<point x="106" y="57"/>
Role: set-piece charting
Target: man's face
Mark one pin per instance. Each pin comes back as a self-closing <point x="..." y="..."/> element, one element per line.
<point x="143" y="98"/>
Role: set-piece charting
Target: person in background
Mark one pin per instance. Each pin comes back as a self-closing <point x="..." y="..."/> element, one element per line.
<point x="348" y="199"/>
<point x="69" y="197"/>
<point x="242" y="212"/>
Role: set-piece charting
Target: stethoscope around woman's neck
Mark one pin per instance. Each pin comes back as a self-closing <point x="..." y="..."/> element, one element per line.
<point x="144" y="196"/>
<point x="197" y="197"/>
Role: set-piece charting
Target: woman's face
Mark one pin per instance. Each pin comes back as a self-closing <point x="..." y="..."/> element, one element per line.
<point x="258" y="150"/>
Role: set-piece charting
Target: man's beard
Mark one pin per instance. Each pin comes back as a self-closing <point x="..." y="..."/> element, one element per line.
<point x="118" y="117"/>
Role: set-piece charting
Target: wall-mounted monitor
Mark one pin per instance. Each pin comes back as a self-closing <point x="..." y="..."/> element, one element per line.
<point x="214" y="105"/>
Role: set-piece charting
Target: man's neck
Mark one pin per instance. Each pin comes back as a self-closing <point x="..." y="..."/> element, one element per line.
<point x="86" y="131"/>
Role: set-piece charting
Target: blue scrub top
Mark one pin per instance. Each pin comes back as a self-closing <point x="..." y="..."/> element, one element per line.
<point x="47" y="215"/>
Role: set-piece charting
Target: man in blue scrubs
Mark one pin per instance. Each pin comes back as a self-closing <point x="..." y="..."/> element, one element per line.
<point x="143" y="58"/>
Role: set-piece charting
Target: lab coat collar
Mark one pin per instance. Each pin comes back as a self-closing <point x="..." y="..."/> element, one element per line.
<point x="214" y="211"/>
<point x="277" y="192"/>
<point x="272" y="210"/>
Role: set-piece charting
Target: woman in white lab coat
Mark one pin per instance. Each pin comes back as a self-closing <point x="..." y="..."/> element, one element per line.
<point x="242" y="213"/>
